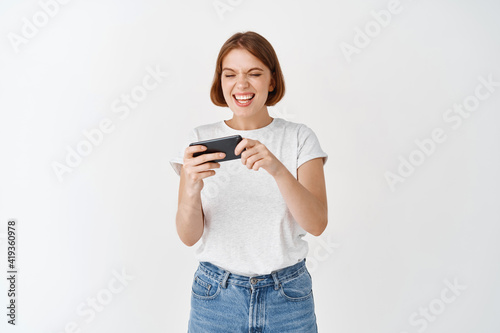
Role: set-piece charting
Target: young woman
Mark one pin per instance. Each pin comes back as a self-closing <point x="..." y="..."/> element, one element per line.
<point x="253" y="213"/>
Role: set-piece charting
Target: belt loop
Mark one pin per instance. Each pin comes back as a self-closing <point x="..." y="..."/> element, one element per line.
<point x="276" y="280"/>
<point x="224" y="279"/>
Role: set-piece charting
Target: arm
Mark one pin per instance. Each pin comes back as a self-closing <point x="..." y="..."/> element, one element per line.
<point x="189" y="220"/>
<point x="306" y="195"/>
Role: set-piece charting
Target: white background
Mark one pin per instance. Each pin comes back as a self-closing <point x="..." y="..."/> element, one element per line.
<point x="386" y="253"/>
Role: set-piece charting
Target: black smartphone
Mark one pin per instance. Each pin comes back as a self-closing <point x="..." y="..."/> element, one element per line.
<point x="225" y="145"/>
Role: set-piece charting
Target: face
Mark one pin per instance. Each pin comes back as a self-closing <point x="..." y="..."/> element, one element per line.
<point x="246" y="82"/>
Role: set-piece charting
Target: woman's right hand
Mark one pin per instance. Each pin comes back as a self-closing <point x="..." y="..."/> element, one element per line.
<point x="197" y="168"/>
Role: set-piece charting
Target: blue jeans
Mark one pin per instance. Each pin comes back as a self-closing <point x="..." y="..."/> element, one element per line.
<point x="280" y="302"/>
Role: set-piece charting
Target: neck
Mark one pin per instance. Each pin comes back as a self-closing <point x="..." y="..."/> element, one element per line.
<point x="246" y="124"/>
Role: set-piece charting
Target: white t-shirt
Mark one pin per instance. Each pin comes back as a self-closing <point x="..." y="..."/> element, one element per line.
<point x="249" y="229"/>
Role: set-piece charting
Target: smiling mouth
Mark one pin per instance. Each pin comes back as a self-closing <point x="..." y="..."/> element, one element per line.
<point x="243" y="99"/>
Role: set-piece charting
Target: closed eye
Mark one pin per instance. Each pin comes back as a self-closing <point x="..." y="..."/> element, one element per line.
<point x="250" y="75"/>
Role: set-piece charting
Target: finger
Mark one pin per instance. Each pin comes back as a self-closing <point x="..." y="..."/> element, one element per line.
<point x="238" y="147"/>
<point x="245" y="155"/>
<point x="243" y="144"/>
<point x="252" y="160"/>
<point x="208" y="157"/>
<point x="193" y="149"/>
<point x="206" y="174"/>
<point x="206" y="166"/>
<point x="189" y="159"/>
<point x="257" y="165"/>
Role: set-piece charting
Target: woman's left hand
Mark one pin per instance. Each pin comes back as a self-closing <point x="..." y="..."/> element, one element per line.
<point x="258" y="156"/>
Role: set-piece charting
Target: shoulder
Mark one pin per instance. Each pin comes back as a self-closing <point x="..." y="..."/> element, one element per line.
<point x="289" y="125"/>
<point x="300" y="130"/>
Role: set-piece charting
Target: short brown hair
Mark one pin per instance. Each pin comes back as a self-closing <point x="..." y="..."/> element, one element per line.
<point x="260" y="48"/>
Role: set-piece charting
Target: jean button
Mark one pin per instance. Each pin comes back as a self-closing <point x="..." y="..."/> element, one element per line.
<point x="253" y="281"/>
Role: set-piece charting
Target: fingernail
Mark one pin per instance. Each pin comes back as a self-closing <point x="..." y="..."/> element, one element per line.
<point x="221" y="154"/>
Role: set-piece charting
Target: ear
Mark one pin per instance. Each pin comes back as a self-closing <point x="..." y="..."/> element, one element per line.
<point x="272" y="84"/>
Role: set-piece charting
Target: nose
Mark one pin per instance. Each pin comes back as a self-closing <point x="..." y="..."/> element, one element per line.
<point x="242" y="81"/>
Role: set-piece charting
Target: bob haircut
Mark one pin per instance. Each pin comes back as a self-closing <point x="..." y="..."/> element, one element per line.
<point x="261" y="49"/>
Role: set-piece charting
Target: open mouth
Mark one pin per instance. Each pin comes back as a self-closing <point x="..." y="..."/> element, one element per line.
<point x="243" y="99"/>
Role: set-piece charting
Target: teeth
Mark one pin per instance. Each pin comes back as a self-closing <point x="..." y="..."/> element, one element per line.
<point x="243" y="97"/>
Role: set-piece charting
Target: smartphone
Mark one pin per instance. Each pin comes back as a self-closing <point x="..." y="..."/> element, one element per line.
<point x="225" y="145"/>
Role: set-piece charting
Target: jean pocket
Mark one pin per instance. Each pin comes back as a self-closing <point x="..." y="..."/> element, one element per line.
<point x="298" y="288"/>
<point x="205" y="287"/>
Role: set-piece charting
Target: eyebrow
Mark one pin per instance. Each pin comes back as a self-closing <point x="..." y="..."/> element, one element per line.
<point x="251" y="69"/>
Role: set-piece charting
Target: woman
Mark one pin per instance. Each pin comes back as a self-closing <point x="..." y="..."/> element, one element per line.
<point x="251" y="214"/>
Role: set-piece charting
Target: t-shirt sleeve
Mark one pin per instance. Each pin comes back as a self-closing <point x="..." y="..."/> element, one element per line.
<point x="309" y="147"/>
<point x="178" y="160"/>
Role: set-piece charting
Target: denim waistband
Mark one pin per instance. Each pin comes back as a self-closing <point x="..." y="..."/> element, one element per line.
<point x="276" y="277"/>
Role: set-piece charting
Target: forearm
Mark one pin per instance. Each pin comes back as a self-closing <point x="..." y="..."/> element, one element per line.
<point x="189" y="224"/>
<point x="309" y="212"/>
<point x="189" y="218"/>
